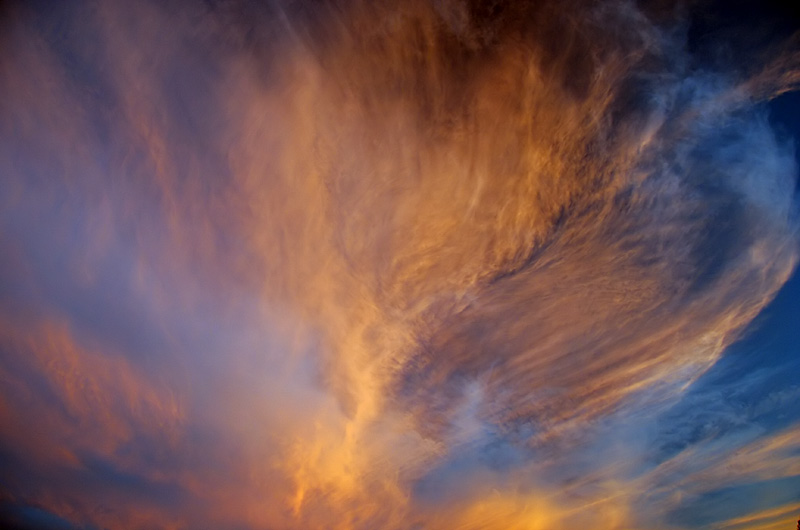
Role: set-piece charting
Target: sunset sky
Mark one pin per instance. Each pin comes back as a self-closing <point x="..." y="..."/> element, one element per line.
<point x="399" y="264"/>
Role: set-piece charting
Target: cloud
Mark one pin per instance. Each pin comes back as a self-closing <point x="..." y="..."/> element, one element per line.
<point x="377" y="265"/>
<point x="764" y="520"/>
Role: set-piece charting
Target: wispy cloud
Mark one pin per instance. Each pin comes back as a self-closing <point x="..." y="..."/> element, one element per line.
<point x="381" y="265"/>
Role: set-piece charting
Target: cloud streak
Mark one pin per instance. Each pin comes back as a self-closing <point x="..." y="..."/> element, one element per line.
<point x="376" y="264"/>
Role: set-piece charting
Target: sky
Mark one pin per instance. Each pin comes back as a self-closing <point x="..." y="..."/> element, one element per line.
<point x="421" y="264"/>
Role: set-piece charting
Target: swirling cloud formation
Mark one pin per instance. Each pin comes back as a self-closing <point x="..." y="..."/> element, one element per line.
<point x="383" y="265"/>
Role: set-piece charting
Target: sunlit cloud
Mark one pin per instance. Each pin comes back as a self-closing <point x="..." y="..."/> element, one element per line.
<point x="355" y="265"/>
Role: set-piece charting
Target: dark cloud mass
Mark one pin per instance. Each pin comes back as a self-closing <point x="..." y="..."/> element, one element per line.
<point x="430" y="264"/>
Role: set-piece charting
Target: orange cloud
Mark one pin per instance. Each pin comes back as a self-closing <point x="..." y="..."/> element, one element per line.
<point x="280" y="282"/>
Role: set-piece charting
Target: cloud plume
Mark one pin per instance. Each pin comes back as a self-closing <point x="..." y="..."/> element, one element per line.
<point x="359" y="265"/>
